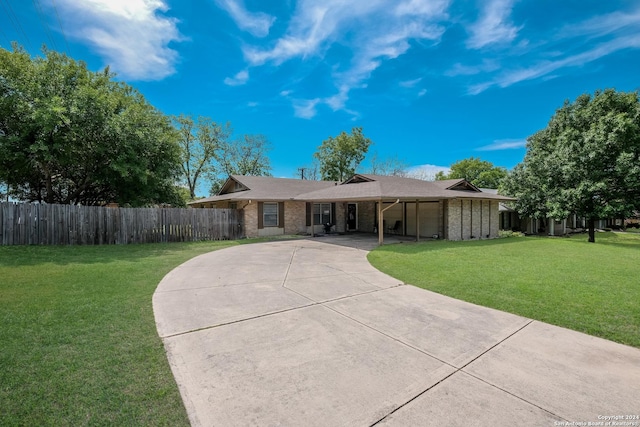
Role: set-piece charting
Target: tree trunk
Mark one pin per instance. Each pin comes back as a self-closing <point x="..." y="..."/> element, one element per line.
<point x="592" y="230"/>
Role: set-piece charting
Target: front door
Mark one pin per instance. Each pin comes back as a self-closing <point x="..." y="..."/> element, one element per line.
<point x="352" y="216"/>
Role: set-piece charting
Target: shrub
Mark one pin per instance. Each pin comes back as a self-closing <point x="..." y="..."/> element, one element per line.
<point x="509" y="233"/>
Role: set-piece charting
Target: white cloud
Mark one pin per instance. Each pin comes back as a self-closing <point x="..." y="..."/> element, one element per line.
<point x="369" y="31"/>
<point x="422" y="93"/>
<point x="239" y="79"/>
<point x="132" y="36"/>
<point x="256" y="23"/>
<point x="305" y="109"/>
<point x="426" y="172"/>
<point x="493" y="26"/>
<point x="504" y="144"/>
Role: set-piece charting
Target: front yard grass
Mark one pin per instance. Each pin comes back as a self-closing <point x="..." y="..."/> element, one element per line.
<point x="592" y="288"/>
<point x="78" y="341"/>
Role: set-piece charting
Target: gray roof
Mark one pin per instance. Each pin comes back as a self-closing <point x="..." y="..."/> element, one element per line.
<point x="377" y="187"/>
<point x="359" y="188"/>
<point x="265" y="188"/>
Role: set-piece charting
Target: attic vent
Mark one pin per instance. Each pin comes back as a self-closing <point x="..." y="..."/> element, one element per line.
<point x="464" y="186"/>
<point x="358" y="178"/>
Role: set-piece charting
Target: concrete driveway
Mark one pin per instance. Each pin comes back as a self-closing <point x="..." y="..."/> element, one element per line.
<point x="308" y="333"/>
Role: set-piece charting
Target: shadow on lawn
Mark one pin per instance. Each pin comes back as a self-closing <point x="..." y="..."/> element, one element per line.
<point x="102" y="254"/>
<point x="622" y="240"/>
<point x="438" y="245"/>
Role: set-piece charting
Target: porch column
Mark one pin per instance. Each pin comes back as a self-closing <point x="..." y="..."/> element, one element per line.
<point x="564" y="226"/>
<point x="552" y="226"/>
<point x="380" y="223"/>
<point x="313" y="234"/>
<point x="417" y="221"/>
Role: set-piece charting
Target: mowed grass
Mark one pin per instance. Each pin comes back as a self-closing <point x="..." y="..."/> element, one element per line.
<point x="78" y="342"/>
<point x="587" y="287"/>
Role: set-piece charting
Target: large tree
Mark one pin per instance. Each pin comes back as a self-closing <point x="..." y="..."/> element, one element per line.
<point x="200" y="140"/>
<point x="340" y="156"/>
<point x="480" y="173"/>
<point x="244" y="156"/>
<point x="585" y="162"/>
<point x="392" y="166"/>
<point x="70" y="135"/>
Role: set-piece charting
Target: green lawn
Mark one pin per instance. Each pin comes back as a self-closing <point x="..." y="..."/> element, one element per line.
<point x="593" y="288"/>
<point x="78" y="342"/>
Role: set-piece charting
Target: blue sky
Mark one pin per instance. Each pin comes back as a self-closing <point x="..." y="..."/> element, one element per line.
<point x="430" y="81"/>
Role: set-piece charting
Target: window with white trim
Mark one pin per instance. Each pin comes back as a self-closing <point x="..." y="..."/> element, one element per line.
<point x="270" y="214"/>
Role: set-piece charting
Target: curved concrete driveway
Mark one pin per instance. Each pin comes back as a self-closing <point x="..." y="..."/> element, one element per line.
<point x="307" y="332"/>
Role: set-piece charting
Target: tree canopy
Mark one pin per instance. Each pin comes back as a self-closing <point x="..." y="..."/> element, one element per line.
<point x="70" y="135"/>
<point x="480" y="173"/>
<point x="340" y="156"/>
<point x="244" y="156"/>
<point x="585" y="162"/>
<point x="200" y="140"/>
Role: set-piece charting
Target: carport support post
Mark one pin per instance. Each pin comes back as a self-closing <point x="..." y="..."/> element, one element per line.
<point x="417" y="221"/>
<point x="380" y="220"/>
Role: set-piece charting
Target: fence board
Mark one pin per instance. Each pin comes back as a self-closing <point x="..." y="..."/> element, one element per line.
<point x="45" y="224"/>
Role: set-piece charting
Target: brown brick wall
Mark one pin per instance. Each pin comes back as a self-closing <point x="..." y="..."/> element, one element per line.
<point x="295" y="220"/>
<point x="466" y="218"/>
<point x="250" y="218"/>
<point x="494" y="217"/>
<point x="366" y="216"/>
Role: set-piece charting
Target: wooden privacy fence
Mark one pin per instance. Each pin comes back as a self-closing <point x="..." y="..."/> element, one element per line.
<point x="43" y="224"/>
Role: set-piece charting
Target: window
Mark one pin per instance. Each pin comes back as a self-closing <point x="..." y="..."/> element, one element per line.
<point x="322" y="213"/>
<point x="270" y="215"/>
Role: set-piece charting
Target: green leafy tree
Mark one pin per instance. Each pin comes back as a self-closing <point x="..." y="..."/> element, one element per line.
<point x="585" y="162"/>
<point x="199" y="141"/>
<point x="480" y="173"/>
<point x="339" y="157"/>
<point x="245" y="156"/>
<point x="72" y="136"/>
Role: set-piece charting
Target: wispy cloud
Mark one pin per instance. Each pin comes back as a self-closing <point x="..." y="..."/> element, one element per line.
<point x="544" y="68"/>
<point x="559" y="51"/>
<point x="305" y="109"/>
<point x="603" y="25"/>
<point x="237" y="80"/>
<point x="504" y="144"/>
<point x="410" y="83"/>
<point x="487" y="66"/>
<point x="132" y="36"/>
<point x="493" y="26"/>
<point x="315" y="27"/>
<point x="256" y="23"/>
